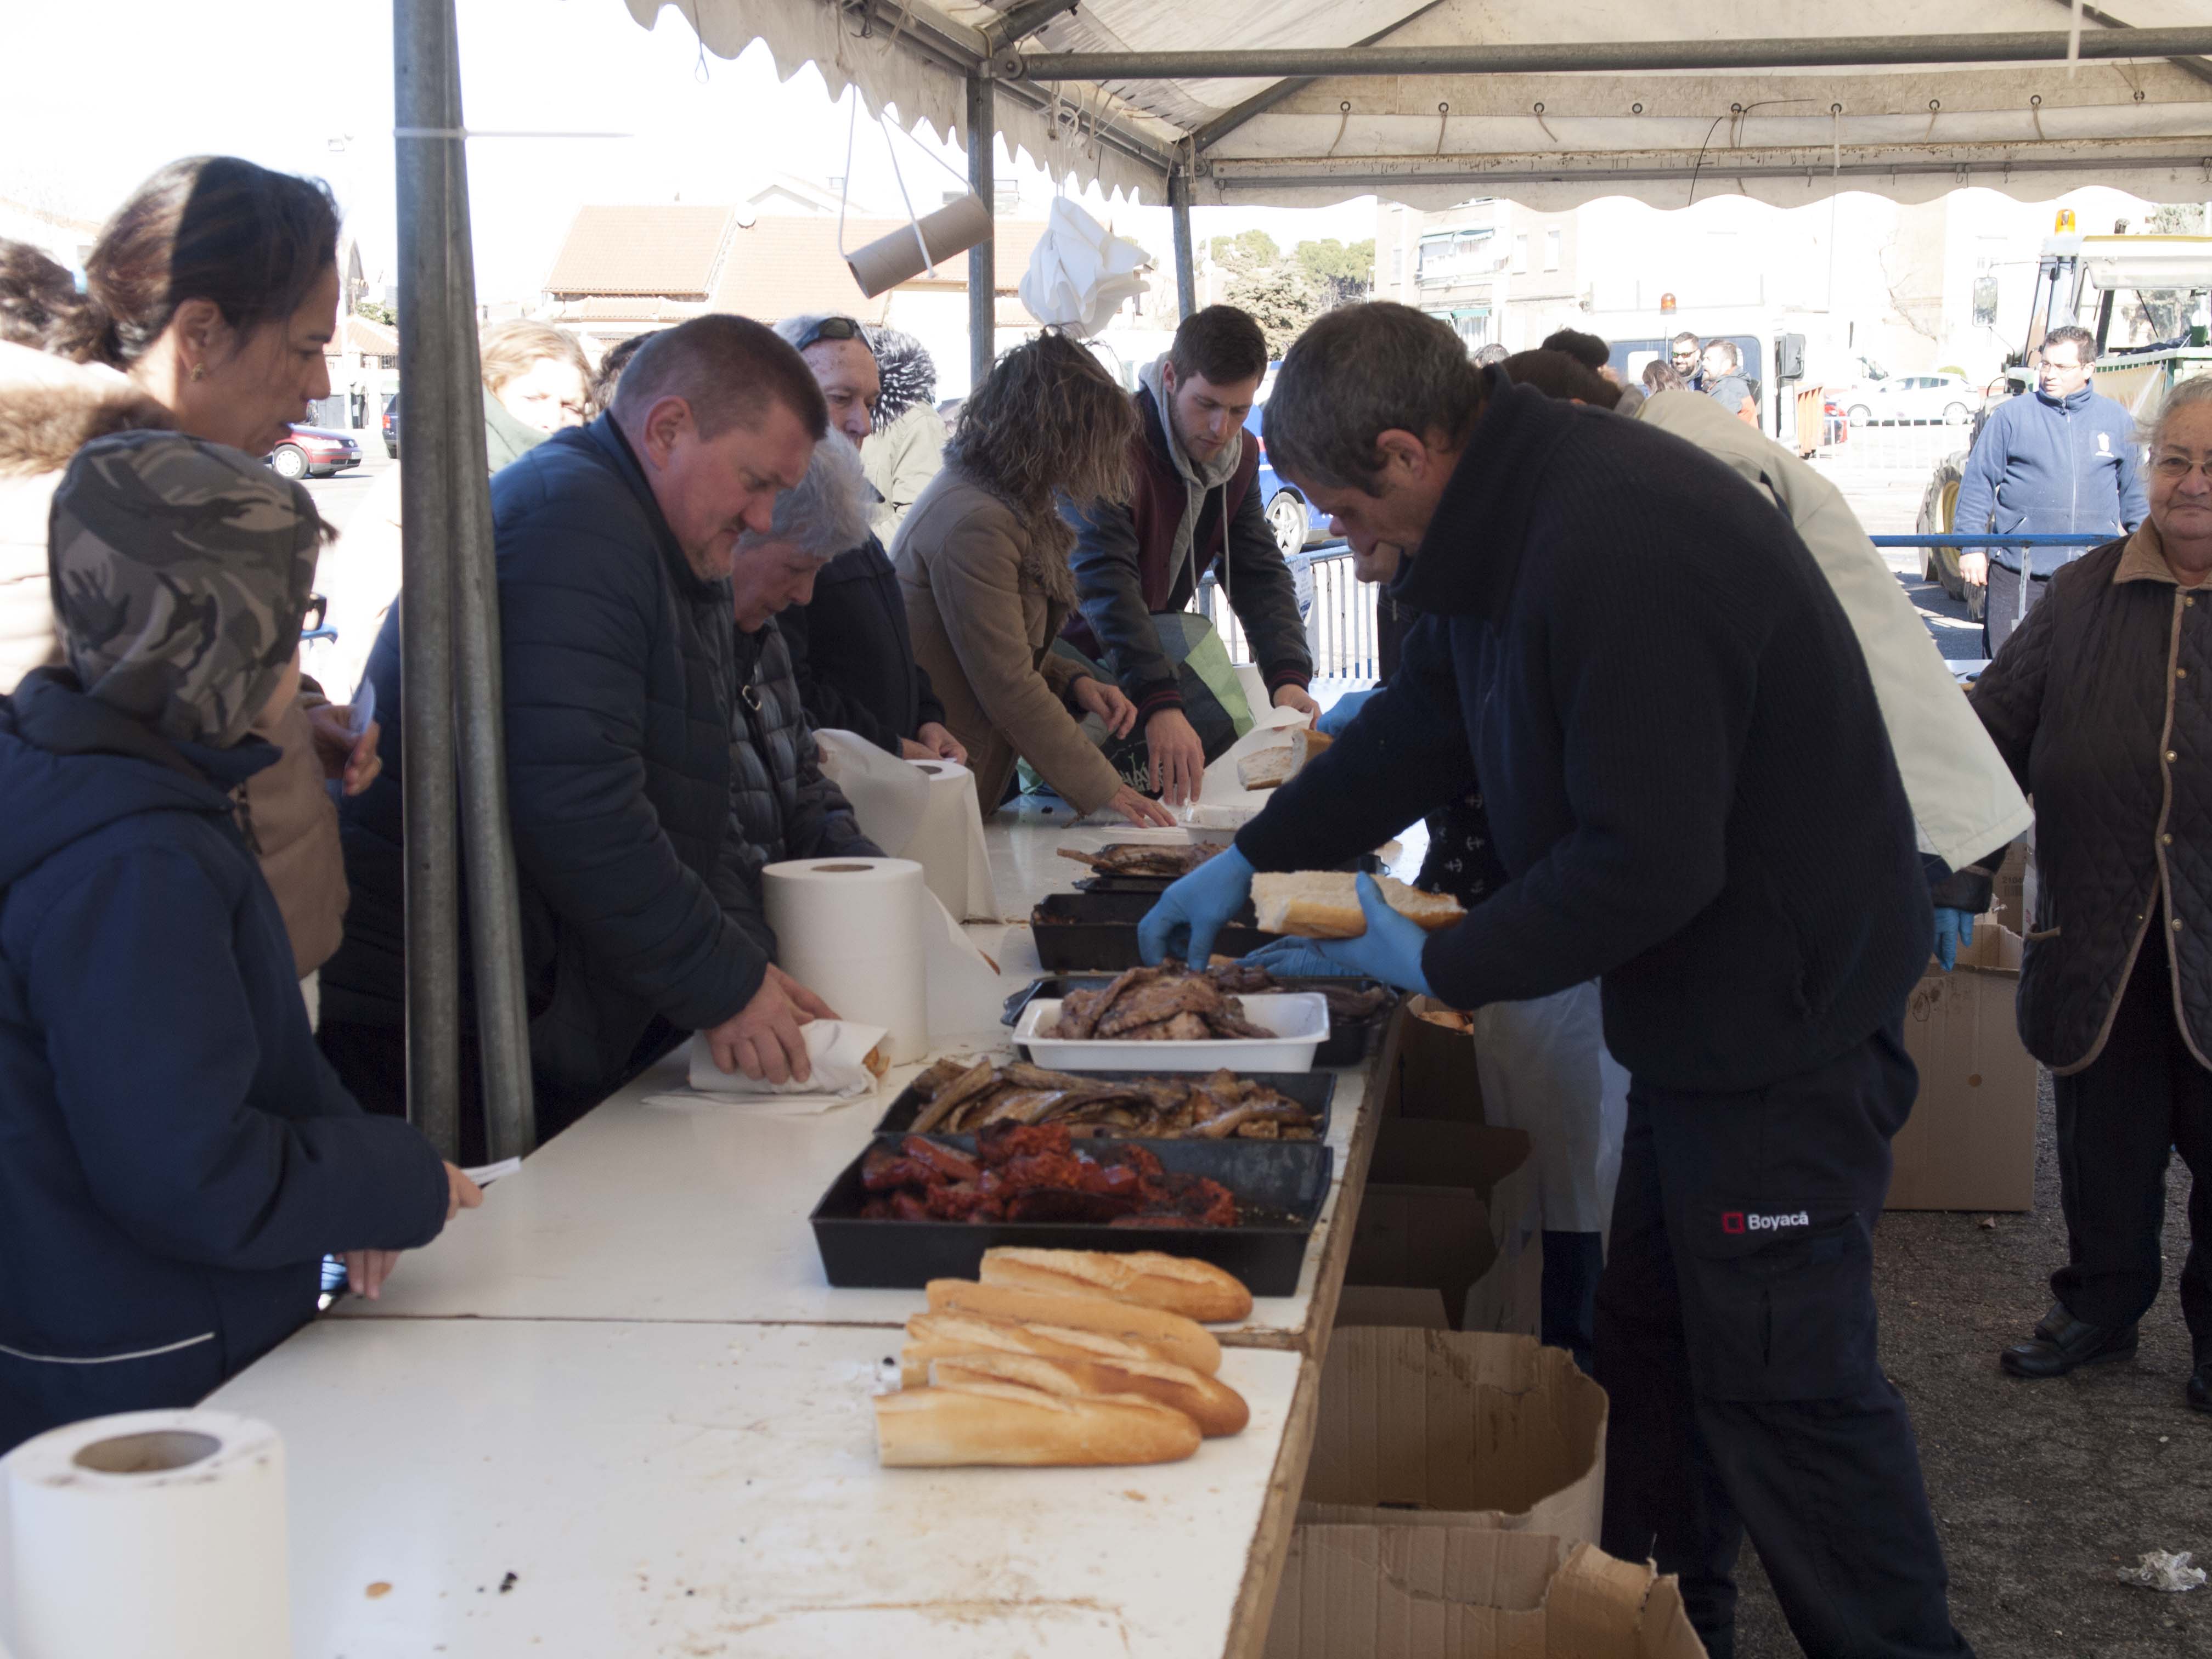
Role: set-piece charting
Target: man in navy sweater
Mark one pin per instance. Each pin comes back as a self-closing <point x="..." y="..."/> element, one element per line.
<point x="1692" y="794"/>
<point x="2062" y="458"/>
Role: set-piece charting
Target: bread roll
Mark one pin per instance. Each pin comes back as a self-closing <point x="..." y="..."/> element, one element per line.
<point x="1182" y="1340"/>
<point x="936" y="1335"/>
<point x="1266" y="768"/>
<point x="1325" y="903"/>
<point x="1002" y="1424"/>
<point x="1151" y="1279"/>
<point x="1212" y="1404"/>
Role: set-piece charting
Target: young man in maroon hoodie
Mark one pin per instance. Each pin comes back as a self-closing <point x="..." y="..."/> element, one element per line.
<point x="1194" y="506"/>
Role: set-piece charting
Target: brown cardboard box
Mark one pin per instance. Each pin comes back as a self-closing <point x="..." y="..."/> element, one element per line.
<point x="1970" y="1143"/>
<point x="1365" y="1592"/>
<point x="1453" y="1207"/>
<point x="1403" y="1306"/>
<point x="2009" y="903"/>
<point x="1446" y="1428"/>
<point x="1428" y="1070"/>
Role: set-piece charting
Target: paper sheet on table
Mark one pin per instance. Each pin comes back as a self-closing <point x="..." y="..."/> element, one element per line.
<point x="893" y="800"/>
<point x="967" y="994"/>
<point x="484" y="1175"/>
<point x="836" y="1050"/>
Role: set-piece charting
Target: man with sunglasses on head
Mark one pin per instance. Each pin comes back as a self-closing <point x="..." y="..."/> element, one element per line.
<point x="850" y="651"/>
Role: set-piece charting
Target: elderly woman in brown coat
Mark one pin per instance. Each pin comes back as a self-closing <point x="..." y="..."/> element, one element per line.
<point x="2100" y="705"/>
<point x="983" y="560"/>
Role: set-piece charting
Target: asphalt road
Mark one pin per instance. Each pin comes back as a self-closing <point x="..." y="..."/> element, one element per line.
<point x="335" y="498"/>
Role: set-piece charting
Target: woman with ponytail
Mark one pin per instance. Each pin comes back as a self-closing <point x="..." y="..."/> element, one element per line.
<point x="206" y="306"/>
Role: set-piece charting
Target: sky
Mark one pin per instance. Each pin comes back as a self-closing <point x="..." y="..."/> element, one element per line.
<point x="93" y="97"/>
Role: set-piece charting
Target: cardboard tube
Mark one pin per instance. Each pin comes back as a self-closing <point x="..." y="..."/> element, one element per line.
<point x="889" y="260"/>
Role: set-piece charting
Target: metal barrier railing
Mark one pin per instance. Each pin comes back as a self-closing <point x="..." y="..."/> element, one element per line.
<point x="1339" y="610"/>
<point x="2084" y="538"/>
<point x="1912" y="448"/>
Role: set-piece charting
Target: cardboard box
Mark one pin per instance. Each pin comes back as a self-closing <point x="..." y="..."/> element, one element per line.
<point x="1446" y="1428"/>
<point x="1970" y="1143"/>
<point x="1353" y="1592"/>
<point x="1402" y="1305"/>
<point x="2009" y="904"/>
<point x="1429" y="1070"/>
<point x="1452" y="1207"/>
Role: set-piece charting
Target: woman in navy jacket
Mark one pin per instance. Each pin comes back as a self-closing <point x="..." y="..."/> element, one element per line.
<point x="176" y="1158"/>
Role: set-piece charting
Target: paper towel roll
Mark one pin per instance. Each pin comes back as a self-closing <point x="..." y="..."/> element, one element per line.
<point x="851" y="930"/>
<point x="150" y="1533"/>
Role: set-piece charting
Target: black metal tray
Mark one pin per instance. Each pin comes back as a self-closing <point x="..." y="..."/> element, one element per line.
<point x="1098" y="930"/>
<point x="1289" y="1177"/>
<point x="1366" y="861"/>
<point x="1348" y="1043"/>
<point x="1312" y="1090"/>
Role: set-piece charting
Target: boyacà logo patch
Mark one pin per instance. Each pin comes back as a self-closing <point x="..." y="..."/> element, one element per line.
<point x="1740" y="1221"/>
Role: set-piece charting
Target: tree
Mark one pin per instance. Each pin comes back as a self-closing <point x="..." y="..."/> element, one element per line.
<point x="377" y="311"/>
<point x="1347" y="274"/>
<point x="1246" y="252"/>
<point x="1282" y="299"/>
<point x="2178" y="219"/>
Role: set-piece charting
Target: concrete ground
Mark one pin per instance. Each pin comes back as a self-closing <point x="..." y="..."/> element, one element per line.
<point x="2040" y="1491"/>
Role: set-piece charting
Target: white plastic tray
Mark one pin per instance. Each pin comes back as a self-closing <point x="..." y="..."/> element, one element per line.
<point x="1299" y="1018"/>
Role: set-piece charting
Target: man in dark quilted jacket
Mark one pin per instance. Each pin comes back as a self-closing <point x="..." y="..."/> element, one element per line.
<point x="785" y="806"/>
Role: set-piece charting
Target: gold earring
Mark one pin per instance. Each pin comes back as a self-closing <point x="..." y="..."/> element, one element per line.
<point x="199" y="371"/>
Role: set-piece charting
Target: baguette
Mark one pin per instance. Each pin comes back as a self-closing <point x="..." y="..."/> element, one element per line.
<point x="1325" y="903"/>
<point x="1002" y="1424"/>
<point x="1208" y="1402"/>
<point x="1196" y="1290"/>
<point x="938" y="1335"/>
<point x="1182" y="1340"/>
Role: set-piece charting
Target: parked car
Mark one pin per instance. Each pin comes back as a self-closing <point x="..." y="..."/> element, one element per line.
<point x="1288" y="511"/>
<point x="314" y="452"/>
<point x="1912" y="399"/>
<point x="391" y="427"/>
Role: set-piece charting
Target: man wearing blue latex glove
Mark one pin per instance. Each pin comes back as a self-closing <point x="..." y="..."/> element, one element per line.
<point x="1191" y="910"/>
<point x="1341" y="712"/>
<point x="1390" y="949"/>
<point x="1690" y="792"/>
<point x="1953" y="929"/>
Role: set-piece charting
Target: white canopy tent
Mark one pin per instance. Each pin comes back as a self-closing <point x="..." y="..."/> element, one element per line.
<point x="1287" y="103"/>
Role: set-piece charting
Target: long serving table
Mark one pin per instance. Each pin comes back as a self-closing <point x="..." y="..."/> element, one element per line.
<point x="619" y="1411"/>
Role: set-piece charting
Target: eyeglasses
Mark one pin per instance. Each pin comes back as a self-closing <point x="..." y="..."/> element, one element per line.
<point x="832" y="328"/>
<point x="2178" y="467"/>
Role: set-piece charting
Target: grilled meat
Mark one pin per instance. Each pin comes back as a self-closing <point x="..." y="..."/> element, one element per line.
<point x="1006" y="1097"/>
<point x="1035" y="1172"/>
<point x="1125" y="858"/>
<point x="1154" y="1005"/>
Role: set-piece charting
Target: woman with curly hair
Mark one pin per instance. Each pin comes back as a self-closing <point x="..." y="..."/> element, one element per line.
<point x="983" y="560"/>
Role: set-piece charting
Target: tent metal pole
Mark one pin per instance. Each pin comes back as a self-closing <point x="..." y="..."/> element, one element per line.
<point x="421" y="38"/>
<point x="1186" y="263"/>
<point x="982" y="266"/>
<point x="494" y="904"/>
<point x="1603" y="57"/>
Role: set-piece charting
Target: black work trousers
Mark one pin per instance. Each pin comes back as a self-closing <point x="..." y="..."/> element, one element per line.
<point x="1735" y="1333"/>
<point x="2120" y="1119"/>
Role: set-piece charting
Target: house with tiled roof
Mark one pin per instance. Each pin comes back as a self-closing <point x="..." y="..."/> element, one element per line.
<point x="623" y="270"/>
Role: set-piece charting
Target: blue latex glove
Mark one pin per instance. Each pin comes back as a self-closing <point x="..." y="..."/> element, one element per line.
<point x="1390" y="949"/>
<point x="1191" y="910"/>
<point x="1953" y="929"/>
<point x="1296" y="958"/>
<point x="1341" y="712"/>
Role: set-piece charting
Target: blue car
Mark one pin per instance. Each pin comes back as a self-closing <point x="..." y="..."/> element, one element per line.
<point x="1286" y="507"/>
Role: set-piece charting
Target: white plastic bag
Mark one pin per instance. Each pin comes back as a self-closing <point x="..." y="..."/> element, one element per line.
<point x="1081" y="272"/>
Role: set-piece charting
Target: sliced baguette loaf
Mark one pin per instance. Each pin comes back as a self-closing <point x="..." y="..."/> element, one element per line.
<point x="936" y="1335"/>
<point x="1208" y="1402"/>
<point x="1151" y="1279"/>
<point x="1002" y="1423"/>
<point x="1325" y="903"/>
<point x="1183" y="1340"/>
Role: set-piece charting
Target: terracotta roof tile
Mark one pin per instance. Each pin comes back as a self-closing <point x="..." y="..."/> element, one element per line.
<point x="672" y="249"/>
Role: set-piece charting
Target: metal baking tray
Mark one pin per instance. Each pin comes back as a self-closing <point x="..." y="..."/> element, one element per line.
<point x="1348" y="1043"/>
<point x="1312" y="1089"/>
<point x="1288" y="1179"/>
<point x="1077" y="931"/>
<point x="1366" y="861"/>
